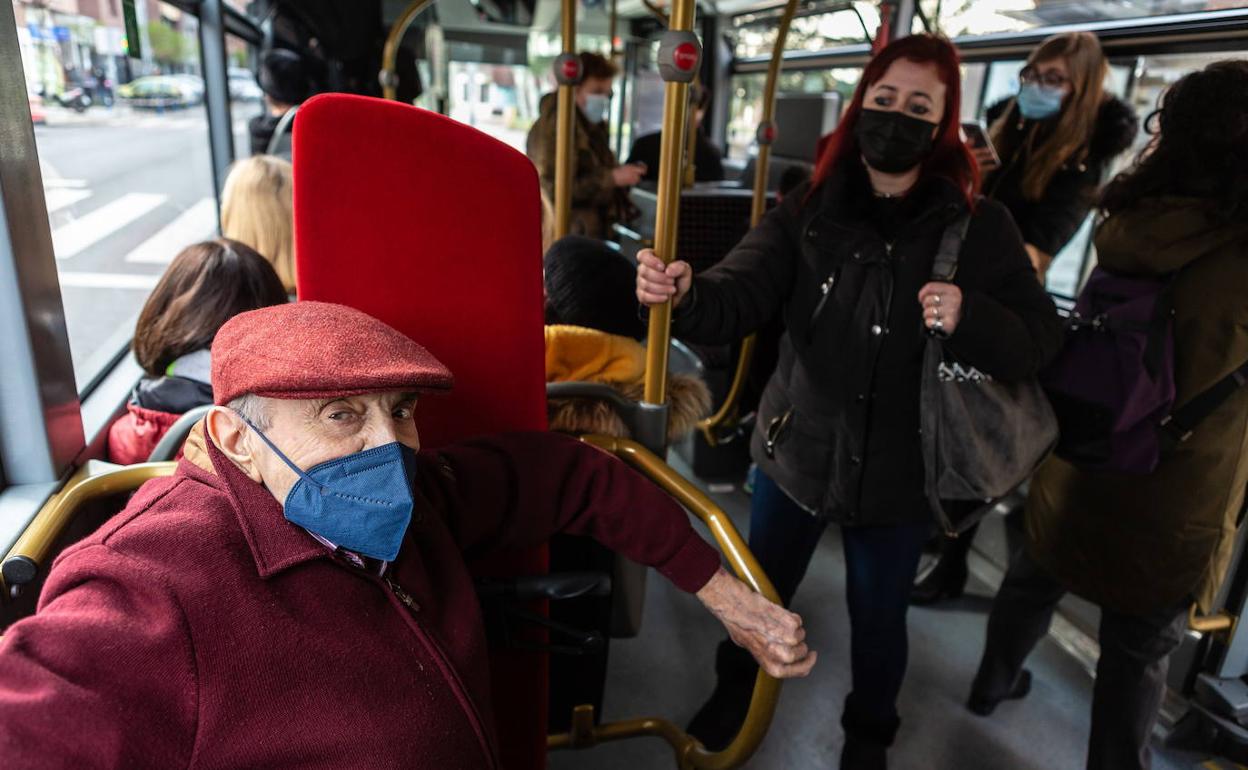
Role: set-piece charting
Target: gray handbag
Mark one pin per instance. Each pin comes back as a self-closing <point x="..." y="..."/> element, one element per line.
<point x="982" y="438"/>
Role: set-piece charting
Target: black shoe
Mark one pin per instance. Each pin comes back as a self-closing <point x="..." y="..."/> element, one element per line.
<point x="721" y="717"/>
<point x="946" y="580"/>
<point x="861" y="754"/>
<point x="985" y="706"/>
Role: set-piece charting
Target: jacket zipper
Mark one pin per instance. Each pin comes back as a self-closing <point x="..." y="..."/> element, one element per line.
<point x="825" y="291"/>
<point x="402" y="597"/>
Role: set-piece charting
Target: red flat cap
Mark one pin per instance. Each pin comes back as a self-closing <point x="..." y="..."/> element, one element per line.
<point x="317" y="350"/>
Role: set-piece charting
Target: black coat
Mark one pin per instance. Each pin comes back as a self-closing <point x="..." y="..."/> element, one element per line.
<point x="707" y="163"/>
<point x="1050" y="222"/>
<point x="850" y="359"/>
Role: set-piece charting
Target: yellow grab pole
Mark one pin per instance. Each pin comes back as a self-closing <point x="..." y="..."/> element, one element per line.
<point x="679" y="60"/>
<point x="390" y="53"/>
<point x="566" y="126"/>
<point x="766" y="133"/>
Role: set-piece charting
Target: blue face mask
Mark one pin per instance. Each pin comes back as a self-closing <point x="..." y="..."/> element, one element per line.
<point x="1038" y="102"/>
<point x="596" y="107"/>
<point x="362" y="502"/>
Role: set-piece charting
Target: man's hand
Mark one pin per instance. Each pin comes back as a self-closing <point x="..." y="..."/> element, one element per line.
<point x="772" y="634"/>
<point x="628" y="175"/>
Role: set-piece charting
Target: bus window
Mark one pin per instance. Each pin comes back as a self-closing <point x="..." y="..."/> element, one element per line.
<point x="754" y="34"/>
<point x="984" y="17"/>
<point x="124" y="154"/>
<point x="747" y="99"/>
<point x="246" y="98"/>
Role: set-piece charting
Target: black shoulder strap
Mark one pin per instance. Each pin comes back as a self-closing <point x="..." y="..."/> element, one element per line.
<point x="279" y="131"/>
<point x="1182" y="421"/>
<point x="945" y="266"/>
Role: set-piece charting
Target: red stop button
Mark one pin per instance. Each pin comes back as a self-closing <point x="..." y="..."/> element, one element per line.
<point x="769" y="134"/>
<point x="685" y="57"/>
<point x="571" y="69"/>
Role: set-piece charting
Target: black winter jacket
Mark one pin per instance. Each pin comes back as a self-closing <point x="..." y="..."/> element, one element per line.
<point x="848" y="377"/>
<point x="1050" y="222"/>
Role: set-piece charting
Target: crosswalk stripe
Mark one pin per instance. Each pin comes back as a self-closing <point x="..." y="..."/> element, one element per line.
<point x="72" y="238"/>
<point x="79" y="280"/>
<point x="195" y="224"/>
<point x="59" y="197"/>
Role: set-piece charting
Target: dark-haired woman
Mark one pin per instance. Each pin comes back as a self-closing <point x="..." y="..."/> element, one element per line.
<point x="1145" y="547"/>
<point x="1055" y="140"/>
<point x="206" y="285"/>
<point x="847" y="260"/>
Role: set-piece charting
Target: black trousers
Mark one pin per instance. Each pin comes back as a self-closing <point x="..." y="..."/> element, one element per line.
<point x="1130" y="676"/>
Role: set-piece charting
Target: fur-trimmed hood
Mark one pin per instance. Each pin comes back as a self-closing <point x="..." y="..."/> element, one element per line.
<point x="575" y="353"/>
<point x="1115" y="132"/>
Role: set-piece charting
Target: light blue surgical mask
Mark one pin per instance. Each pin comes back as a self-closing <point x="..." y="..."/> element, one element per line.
<point x="596" y="107"/>
<point x="362" y="502"/>
<point x="1039" y="102"/>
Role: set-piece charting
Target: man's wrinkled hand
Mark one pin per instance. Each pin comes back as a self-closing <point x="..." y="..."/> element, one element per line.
<point x="772" y="634"/>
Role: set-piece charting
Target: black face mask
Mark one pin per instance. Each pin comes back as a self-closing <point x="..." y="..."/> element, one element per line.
<point x="893" y="142"/>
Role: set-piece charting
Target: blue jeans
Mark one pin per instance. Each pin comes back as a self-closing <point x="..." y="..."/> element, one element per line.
<point x="880" y="566"/>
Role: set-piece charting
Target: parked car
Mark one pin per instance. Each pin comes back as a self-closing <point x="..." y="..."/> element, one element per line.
<point x="162" y="91"/>
<point x="243" y="85"/>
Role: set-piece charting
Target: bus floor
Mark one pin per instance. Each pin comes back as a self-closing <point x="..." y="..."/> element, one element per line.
<point x="668" y="671"/>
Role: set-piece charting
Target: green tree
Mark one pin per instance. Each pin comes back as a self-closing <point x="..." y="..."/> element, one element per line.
<point x="169" y="46"/>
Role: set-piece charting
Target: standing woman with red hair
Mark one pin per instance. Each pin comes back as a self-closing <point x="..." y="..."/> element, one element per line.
<point x="848" y="261"/>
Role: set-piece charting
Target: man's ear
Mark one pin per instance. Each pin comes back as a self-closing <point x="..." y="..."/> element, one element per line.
<point x="228" y="431"/>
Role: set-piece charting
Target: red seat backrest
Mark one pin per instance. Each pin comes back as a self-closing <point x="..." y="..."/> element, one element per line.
<point x="435" y="228"/>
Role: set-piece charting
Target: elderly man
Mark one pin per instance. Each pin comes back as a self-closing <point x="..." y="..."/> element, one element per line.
<point x="296" y="595"/>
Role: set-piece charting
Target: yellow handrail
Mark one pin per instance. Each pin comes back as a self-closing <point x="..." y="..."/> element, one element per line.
<point x="690" y="753"/>
<point x="727" y="413"/>
<point x="390" y="53"/>
<point x="92" y="482"/>
<point x="565" y="127"/>
<point x="1210" y="624"/>
<point x="675" y="112"/>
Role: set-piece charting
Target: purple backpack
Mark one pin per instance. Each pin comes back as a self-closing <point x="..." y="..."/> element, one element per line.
<point x="1112" y="386"/>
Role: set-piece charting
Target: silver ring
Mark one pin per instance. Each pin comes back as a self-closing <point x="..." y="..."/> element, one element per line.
<point x="936" y="298"/>
<point x="938" y="324"/>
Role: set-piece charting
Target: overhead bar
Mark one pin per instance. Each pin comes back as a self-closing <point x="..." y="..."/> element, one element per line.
<point x="389" y="75"/>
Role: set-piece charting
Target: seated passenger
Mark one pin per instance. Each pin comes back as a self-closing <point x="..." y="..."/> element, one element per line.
<point x="600" y="186"/>
<point x="707" y="160"/>
<point x="206" y="285"/>
<point x="1144" y="547"/>
<point x="286" y="83"/>
<point x="257" y="208"/>
<point x="592" y="335"/>
<point x="296" y="593"/>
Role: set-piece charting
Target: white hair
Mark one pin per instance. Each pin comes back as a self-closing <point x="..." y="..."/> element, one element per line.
<point x="253" y="409"/>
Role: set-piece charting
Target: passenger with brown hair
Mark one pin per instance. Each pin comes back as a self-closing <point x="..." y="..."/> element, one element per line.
<point x="599" y="183"/>
<point x="1055" y="140"/>
<point x="206" y="285"/>
<point x="257" y="208"/>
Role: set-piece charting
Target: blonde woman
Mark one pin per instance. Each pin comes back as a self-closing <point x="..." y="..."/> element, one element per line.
<point x="257" y="209"/>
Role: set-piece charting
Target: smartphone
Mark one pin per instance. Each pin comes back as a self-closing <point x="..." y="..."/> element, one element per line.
<point x="976" y="136"/>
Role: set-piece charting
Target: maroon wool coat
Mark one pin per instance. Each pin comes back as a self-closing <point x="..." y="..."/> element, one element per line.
<point x="200" y="629"/>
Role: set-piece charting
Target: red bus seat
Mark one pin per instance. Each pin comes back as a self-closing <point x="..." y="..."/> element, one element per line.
<point x="434" y="228"/>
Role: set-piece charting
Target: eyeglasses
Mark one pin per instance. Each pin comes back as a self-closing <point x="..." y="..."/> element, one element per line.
<point x="1052" y="78"/>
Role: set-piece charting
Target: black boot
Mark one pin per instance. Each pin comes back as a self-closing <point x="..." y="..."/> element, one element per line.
<point x="862" y="754"/>
<point x="866" y="740"/>
<point x="947" y="579"/>
<point x="719" y="719"/>
<point x="978" y="704"/>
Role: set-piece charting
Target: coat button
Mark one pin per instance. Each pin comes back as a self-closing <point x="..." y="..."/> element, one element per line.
<point x="855" y="460"/>
<point x="877" y="330"/>
<point x="861" y="397"/>
<point x="857" y="255"/>
<point x="812" y="233"/>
